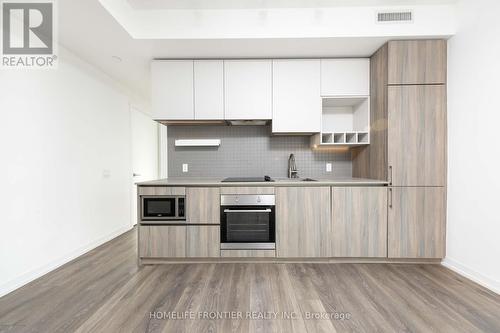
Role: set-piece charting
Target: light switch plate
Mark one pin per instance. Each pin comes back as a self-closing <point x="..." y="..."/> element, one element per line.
<point x="328" y="167"/>
<point x="184" y="167"/>
<point x="106" y="173"/>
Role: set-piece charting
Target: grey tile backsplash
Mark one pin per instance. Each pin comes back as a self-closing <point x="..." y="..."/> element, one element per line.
<point x="249" y="151"/>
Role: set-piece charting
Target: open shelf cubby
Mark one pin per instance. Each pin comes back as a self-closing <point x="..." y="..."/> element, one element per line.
<point x="345" y="121"/>
<point x="351" y="137"/>
<point x="338" y="137"/>
<point x="327" y="137"/>
<point x="363" y="137"/>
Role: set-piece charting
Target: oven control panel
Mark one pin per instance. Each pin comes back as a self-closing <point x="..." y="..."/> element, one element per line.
<point x="247" y="200"/>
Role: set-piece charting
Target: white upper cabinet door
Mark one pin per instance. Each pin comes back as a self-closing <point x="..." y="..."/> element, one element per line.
<point x="345" y="77"/>
<point x="296" y="96"/>
<point x="172" y="89"/>
<point x="248" y="89"/>
<point x="208" y="89"/>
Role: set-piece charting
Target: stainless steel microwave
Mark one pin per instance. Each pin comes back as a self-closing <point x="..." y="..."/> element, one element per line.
<point x="163" y="208"/>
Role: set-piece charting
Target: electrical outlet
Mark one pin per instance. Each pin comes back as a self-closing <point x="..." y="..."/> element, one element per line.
<point x="328" y="167"/>
<point x="106" y="173"/>
<point x="184" y="167"/>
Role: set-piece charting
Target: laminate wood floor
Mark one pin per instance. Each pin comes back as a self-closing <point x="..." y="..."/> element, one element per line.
<point x="105" y="291"/>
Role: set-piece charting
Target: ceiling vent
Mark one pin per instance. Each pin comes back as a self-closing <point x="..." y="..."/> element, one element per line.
<point x="395" y="17"/>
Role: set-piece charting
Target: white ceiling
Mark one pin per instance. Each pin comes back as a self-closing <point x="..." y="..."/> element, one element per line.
<point x="249" y="4"/>
<point x="93" y="33"/>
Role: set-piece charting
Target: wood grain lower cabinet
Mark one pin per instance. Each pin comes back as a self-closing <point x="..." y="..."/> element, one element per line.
<point x="203" y="205"/>
<point x="162" y="241"/>
<point x="417" y="222"/>
<point x="303" y="222"/>
<point x="203" y="241"/>
<point x="359" y="221"/>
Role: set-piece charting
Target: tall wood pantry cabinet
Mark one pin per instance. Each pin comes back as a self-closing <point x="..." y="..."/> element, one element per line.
<point x="408" y="144"/>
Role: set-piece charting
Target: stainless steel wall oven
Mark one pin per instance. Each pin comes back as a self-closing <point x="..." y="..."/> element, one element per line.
<point x="248" y="222"/>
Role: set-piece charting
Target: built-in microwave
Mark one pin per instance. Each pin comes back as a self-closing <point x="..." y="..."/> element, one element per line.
<point x="163" y="208"/>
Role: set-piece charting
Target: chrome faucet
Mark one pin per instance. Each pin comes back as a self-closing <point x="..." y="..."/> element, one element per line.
<point x="292" y="167"/>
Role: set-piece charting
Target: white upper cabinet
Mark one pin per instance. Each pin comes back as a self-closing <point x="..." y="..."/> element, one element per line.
<point x="208" y="89"/>
<point x="172" y="89"/>
<point x="248" y="89"/>
<point x="296" y="96"/>
<point x="288" y="91"/>
<point x="345" y="77"/>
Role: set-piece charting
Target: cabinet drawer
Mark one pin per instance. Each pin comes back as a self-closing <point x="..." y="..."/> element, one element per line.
<point x="248" y="253"/>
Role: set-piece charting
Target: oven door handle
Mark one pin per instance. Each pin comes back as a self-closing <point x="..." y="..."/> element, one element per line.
<point x="247" y="210"/>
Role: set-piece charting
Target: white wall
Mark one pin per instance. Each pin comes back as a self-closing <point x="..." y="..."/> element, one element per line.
<point x="61" y="132"/>
<point x="144" y="134"/>
<point x="473" y="229"/>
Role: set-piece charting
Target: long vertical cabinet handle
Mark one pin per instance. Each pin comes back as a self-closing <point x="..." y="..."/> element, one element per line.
<point x="390" y="198"/>
<point x="390" y="174"/>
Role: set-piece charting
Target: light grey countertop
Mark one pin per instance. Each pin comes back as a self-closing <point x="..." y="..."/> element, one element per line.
<point x="277" y="182"/>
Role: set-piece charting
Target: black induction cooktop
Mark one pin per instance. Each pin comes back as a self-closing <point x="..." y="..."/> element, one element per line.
<point x="247" y="179"/>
